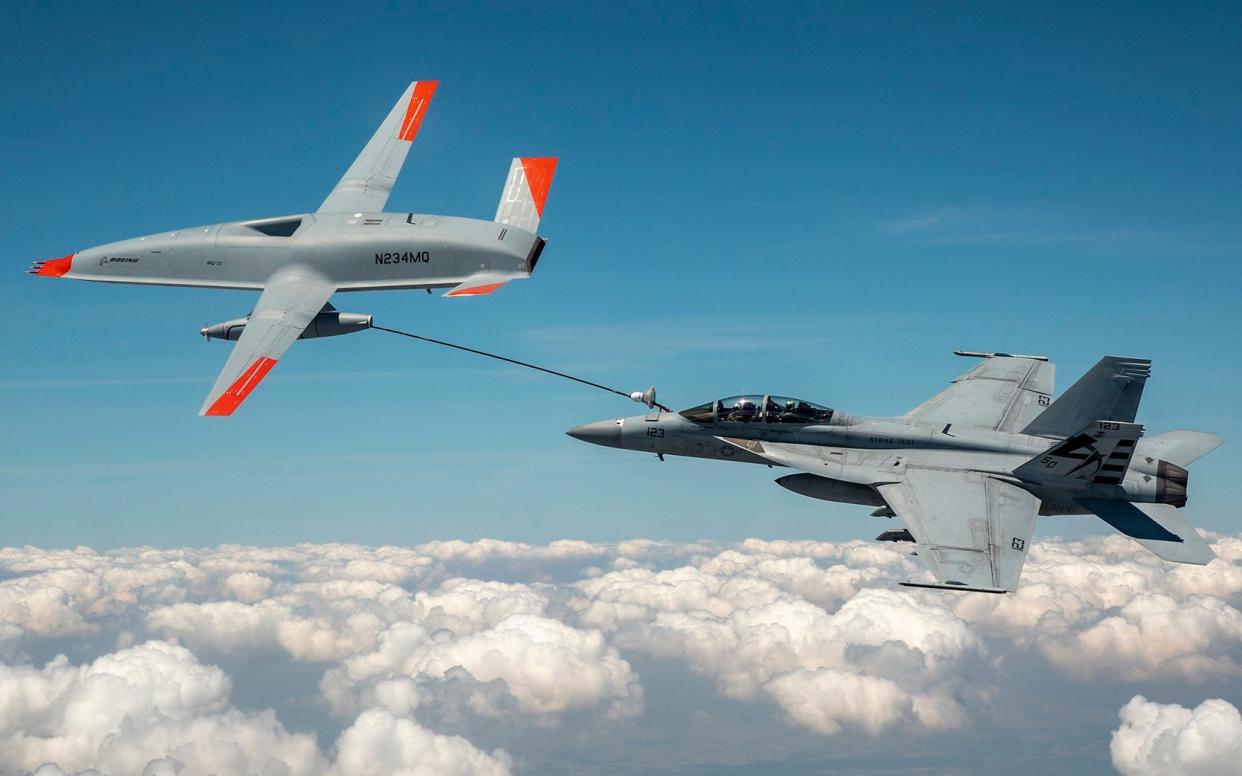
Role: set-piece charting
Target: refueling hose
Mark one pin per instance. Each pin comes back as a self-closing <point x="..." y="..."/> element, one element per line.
<point x="642" y="397"/>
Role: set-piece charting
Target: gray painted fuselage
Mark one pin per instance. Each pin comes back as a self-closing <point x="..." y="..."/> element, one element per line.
<point x="354" y="252"/>
<point x="854" y="454"/>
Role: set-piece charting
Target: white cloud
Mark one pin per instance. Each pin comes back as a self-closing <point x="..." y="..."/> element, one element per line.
<point x="405" y="641"/>
<point x="381" y="744"/>
<point x="135" y="706"/>
<point x="487" y="632"/>
<point x="826" y="699"/>
<point x="155" y="710"/>
<point x="247" y="586"/>
<point x="1172" y="740"/>
<point x="891" y="659"/>
<point x="1105" y="607"/>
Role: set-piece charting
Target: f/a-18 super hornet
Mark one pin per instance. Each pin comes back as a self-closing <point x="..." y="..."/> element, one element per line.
<point x="348" y="244"/>
<point x="968" y="470"/>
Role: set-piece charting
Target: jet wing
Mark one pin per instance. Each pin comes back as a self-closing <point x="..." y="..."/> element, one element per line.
<point x="1002" y="393"/>
<point x="971" y="530"/>
<point x="369" y="180"/>
<point x="290" y="300"/>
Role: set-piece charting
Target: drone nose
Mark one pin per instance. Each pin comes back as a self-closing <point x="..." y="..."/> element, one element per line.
<point x="53" y="268"/>
<point x="601" y="432"/>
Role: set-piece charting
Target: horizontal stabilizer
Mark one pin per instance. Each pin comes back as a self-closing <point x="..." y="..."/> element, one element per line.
<point x="482" y="283"/>
<point x="1158" y="527"/>
<point x="1180" y="447"/>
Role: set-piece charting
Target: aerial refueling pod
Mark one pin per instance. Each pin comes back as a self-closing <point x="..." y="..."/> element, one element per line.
<point x="831" y="490"/>
<point x="330" y="322"/>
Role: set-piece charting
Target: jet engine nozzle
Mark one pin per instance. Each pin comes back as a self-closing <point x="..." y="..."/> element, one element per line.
<point x="1171" y="484"/>
<point x="1158" y="481"/>
<point x="328" y="323"/>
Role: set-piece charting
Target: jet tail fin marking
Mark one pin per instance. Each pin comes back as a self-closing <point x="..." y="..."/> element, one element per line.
<point x="1100" y="453"/>
<point x="526" y="192"/>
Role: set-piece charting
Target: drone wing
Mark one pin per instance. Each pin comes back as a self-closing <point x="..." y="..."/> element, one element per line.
<point x="290" y="300"/>
<point x="369" y="180"/>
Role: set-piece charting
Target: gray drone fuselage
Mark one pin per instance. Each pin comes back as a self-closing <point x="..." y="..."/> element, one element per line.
<point x="353" y="252"/>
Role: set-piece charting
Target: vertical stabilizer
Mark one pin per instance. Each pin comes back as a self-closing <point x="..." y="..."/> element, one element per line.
<point x="1111" y="390"/>
<point x="526" y="192"/>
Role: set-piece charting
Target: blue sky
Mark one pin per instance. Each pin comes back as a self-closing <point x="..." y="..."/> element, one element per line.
<point x="812" y="201"/>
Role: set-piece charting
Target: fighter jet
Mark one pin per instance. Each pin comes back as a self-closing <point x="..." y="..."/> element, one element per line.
<point x="969" y="470"/>
<point x="348" y="244"/>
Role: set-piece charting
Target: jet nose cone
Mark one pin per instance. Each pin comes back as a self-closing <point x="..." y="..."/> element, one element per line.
<point x="601" y="432"/>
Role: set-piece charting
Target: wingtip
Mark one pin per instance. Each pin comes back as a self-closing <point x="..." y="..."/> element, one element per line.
<point x="420" y="98"/>
<point x="228" y="401"/>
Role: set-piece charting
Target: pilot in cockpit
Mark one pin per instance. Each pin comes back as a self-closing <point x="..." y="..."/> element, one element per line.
<point x="744" y="410"/>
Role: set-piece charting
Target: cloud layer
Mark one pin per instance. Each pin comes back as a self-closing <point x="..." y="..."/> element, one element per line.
<point x="1168" y="739"/>
<point x="412" y="644"/>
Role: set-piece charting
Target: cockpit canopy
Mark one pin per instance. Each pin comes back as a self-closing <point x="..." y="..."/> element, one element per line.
<point x="759" y="409"/>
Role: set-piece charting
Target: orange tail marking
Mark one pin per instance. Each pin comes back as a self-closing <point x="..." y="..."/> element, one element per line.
<point x="539" y="171"/>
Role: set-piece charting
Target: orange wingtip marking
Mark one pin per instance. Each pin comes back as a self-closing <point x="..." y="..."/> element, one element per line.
<point x="241" y="387"/>
<point x="417" y="109"/>
<point x="53" y="268"/>
<point x="476" y="290"/>
<point x="539" y="171"/>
